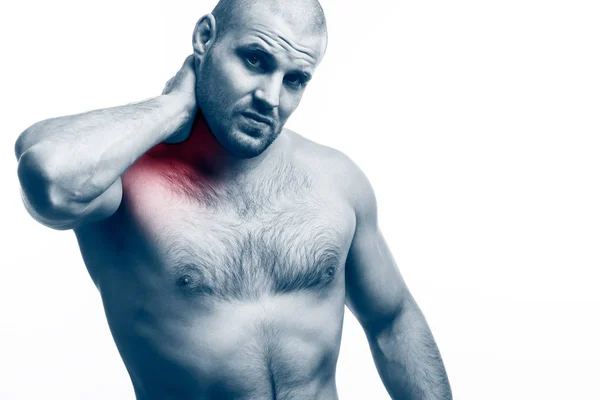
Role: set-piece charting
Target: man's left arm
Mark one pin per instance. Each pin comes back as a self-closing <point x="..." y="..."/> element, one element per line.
<point x="405" y="353"/>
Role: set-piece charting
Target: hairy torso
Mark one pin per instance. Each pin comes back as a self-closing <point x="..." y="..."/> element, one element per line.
<point x="225" y="289"/>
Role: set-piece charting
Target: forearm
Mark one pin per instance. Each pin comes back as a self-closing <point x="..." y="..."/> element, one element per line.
<point x="82" y="155"/>
<point x="408" y="360"/>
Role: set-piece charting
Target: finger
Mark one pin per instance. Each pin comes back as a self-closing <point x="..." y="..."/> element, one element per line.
<point x="187" y="72"/>
<point x="189" y="62"/>
<point x="167" y="87"/>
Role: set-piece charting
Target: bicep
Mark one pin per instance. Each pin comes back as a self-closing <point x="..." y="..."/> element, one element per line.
<point x="375" y="289"/>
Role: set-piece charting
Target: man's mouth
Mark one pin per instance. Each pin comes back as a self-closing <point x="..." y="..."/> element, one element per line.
<point x="258" y="118"/>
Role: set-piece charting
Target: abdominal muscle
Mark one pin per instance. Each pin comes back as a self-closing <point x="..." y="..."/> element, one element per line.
<point x="277" y="347"/>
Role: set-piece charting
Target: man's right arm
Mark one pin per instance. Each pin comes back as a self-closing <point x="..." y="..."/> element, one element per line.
<point x="70" y="167"/>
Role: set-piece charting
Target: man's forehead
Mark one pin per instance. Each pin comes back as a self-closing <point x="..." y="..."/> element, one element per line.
<point x="280" y="29"/>
<point x="273" y="40"/>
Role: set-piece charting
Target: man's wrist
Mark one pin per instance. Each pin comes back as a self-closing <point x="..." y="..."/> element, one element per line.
<point x="178" y="109"/>
<point x="180" y="102"/>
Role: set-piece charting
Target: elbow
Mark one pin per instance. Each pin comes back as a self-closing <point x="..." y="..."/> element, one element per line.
<point x="390" y="322"/>
<point x="19" y="147"/>
<point x="45" y="198"/>
<point x="22" y="143"/>
<point x="28" y="138"/>
<point x="378" y="326"/>
<point x="35" y="178"/>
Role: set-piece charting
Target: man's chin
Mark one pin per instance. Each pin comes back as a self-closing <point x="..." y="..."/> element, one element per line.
<point x="243" y="146"/>
<point x="245" y="152"/>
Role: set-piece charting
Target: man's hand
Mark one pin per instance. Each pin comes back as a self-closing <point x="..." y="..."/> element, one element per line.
<point x="183" y="87"/>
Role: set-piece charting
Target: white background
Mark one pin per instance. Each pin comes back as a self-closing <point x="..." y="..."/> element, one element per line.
<point x="477" y="123"/>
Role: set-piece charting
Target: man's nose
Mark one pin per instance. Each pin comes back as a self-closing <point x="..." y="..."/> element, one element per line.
<point x="269" y="92"/>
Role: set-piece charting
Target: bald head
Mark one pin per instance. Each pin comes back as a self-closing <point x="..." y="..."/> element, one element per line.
<point x="305" y="14"/>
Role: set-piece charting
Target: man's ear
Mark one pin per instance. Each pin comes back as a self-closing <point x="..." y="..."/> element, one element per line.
<point x="204" y="35"/>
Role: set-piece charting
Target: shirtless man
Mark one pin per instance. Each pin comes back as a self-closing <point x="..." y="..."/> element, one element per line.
<point x="224" y="246"/>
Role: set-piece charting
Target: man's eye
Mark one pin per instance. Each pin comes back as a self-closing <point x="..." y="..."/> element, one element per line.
<point x="295" y="80"/>
<point x="253" y="60"/>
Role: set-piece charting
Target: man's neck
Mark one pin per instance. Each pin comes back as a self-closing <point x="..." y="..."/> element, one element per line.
<point x="202" y="151"/>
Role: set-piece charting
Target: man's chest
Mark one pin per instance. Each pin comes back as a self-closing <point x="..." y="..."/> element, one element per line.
<point x="282" y="233"/>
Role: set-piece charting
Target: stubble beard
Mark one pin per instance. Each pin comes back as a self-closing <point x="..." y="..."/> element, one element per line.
<point x="223" y="127"/>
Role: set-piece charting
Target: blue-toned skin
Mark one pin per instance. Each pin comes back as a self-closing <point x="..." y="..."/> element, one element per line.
<point x="224" y="246"/>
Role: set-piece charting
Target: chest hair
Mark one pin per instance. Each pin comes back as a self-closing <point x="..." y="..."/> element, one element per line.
<point x="277" y="234"/>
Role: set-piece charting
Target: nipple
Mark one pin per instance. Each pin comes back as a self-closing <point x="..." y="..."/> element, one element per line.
<point x="329" y="272"/>
<point x="184" y="280"/>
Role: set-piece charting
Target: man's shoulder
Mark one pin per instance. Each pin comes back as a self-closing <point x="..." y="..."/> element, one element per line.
<point x="335" y="168"/>
<point x="328" y="160"/>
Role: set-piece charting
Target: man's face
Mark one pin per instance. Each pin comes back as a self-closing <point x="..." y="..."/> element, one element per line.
<point x="252" y="79"/>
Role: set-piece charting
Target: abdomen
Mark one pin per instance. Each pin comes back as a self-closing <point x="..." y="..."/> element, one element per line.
<point x="282" y="347"/>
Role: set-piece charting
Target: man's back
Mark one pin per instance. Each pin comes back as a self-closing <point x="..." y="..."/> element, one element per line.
<point x="226" y="288"/>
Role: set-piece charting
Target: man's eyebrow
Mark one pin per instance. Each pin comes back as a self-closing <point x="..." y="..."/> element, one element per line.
<point x="255" y="46"/>
<point x="260" y="49"/>
<point x="306" y="75"/>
